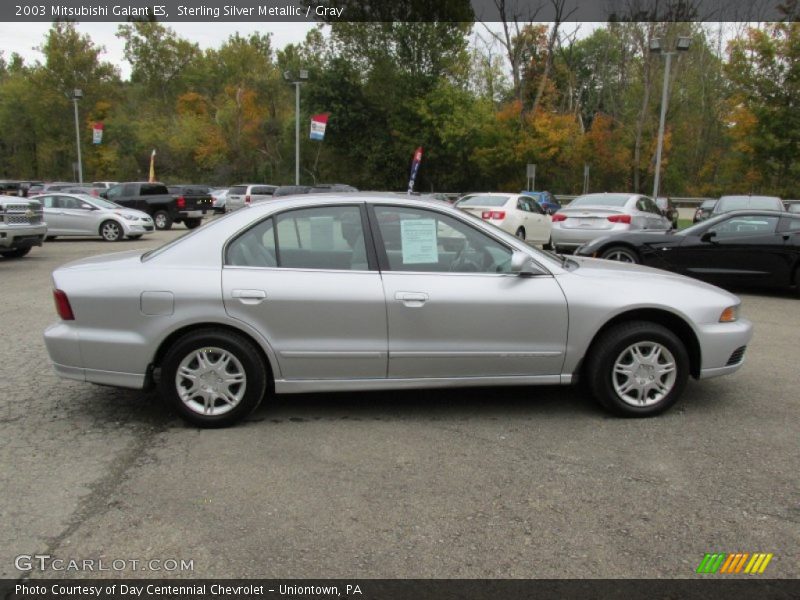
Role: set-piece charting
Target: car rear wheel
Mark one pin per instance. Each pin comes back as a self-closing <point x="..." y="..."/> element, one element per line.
<point x="520" y="233"/>
<point x="621" y="254"/>
<point x="549" y="245"/>
<point x="192" y="223"/>
<point x="213" y="378"/>
<point x="638" y="369"/>
<point x="162" y="220"/>
<point x="111" y="231"/>
<point x="15" y="253"/>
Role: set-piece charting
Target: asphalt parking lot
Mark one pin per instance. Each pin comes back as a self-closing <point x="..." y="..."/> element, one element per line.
<point x="495" y="483"/>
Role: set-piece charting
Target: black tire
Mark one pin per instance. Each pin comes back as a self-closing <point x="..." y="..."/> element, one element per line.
<point x="111" y="231"/>
<point x="15" y="253"/>
<point x="612" y="348"/>
<point x="192" y="223"/>
<point x="135" y="237"/>
<point x="621" y="254"/>
<point x="162" y="220"/>
<point x="548" y="245"/>
<point x="211" y="343"/>
<point x="50" y="237"/>
<point x="520" y="234"/>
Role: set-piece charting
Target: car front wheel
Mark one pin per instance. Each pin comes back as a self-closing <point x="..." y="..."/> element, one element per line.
<point x="520" y="233"/>
<point x="621" y="254"/>
<point x="213" y="378"/>
<point x="111" y="231"/>
<point x="192" y="223"/>
<point x="15" y="253"/>
<point x="638" y="369"/>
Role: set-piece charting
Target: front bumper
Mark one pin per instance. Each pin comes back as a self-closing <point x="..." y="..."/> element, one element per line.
<point x="719" y="343"/>
<point x="26" y="236"/>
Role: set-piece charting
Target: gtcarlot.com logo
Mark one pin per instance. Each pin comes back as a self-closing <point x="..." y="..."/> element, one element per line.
<point x="45" y="562"/>
<point x="738" y="562"/>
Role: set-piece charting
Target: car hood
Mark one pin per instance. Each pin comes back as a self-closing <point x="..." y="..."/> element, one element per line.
<point x="605" y="270"/>
<point x="104" y="261"/>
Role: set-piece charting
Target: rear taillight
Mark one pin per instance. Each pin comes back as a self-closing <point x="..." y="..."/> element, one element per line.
<point x="63" y="308"/>
<point x="181" y="202"/>
<point x="247" y="199"/>
<point x="620" y="218"/>
<point x="559" y="217"/>
<point x="493" y="214"/>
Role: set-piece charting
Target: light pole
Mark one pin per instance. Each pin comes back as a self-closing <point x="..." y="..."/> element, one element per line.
<point x="296" y="81"/>
<point x="655" y="47"/>
<point x="77" y="95"/>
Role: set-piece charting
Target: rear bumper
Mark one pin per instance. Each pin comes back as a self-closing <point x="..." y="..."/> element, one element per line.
<point x="572" y="238"/>
<point x="63" y="346"/>
<point x="193" y="214"/>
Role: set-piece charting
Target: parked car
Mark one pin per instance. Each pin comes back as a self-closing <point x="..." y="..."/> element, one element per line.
<point x="729" y="203"/>
<point x="517" y="214"/>
<point x="751" y="247"/>
<point x="58" y="186"/>
<point x="154" y="199"/>
<point x="307" y="294"/>
<point x="22" y="226"/>
<point x="84" y="215"/>
<point x="193" y="195"/>
<point x="245" y="194"/>
<point x="88" y="190"/>
<point x="220" y="197"/>
<point x="794" y="207"/>
<point x="325" y="188"/>
<point x="291" y="190"/>
<point x="104" y="185"/>
<point x="668" y="209"/>
<point x="704" y="210"/>
<point x="546" y="200"/>
<point x="595" y="215"/>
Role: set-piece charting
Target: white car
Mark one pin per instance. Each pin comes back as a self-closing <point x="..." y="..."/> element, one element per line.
<point x="245" y="194"/>
<point x="84" y="215"/>
<point x="518" y="215"/>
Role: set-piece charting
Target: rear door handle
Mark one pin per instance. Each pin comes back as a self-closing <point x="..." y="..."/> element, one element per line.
<point x="249" y="296"/>
<point x="411" y="299"/>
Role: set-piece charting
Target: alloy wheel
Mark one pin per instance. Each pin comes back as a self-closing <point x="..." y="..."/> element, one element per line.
<point x="644" y="373"/>
<point x="210" y="381"/>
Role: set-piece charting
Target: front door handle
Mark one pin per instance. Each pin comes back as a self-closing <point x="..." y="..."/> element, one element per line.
<point x="249" y="296"/>
<point x="411" y="299"/>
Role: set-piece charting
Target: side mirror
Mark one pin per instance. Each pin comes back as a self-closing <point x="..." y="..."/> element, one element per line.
<point x="104" y="194"/>
<point x="523" y="265"/>
<point x="708" y="236"/>
<point x="87" y="207"/>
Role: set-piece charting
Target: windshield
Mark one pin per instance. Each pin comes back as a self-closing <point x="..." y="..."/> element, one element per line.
<point x="100" y="202"/>
<point x="483" y="201"/>
<point x="728" y="203"/>
<point x="600" y="200"/>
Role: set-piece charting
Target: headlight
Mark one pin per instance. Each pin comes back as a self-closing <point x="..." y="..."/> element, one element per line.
<point x="129" y="217"/>
<point x="730" y="314"/>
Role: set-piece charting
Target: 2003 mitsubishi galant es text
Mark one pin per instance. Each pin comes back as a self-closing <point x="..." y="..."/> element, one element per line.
<point x="372" y="292"/>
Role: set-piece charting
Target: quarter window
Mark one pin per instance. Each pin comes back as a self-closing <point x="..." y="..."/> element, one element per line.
<point x="745" y="225"/>
<point x="422" y="240"/>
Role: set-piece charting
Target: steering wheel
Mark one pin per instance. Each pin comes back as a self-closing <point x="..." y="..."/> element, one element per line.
<point x="462" y="264"/>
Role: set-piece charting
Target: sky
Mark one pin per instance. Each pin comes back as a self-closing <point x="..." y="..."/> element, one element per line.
<point x="23" y="38"/>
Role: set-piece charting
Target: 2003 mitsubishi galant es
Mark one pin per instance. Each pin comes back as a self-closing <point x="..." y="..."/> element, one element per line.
<point x="372" y="292"/>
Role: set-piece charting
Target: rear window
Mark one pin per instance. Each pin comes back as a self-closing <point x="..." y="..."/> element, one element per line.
<point x="263" y="190"/>
<point x="483" y="201"/>
<point x="238" y="190"/>
<point x="601" y="200"/>
<point x="153" y="189"/>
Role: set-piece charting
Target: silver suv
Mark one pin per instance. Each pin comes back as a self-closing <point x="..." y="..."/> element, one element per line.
<point x="22" y="226"/>
<point x="245" y="194"/>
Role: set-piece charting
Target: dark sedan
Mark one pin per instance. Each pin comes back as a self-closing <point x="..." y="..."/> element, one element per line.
<point x="752" y="247"/>
<point x="704" y="210"/>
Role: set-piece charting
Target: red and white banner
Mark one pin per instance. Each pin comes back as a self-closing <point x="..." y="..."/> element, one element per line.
<point x="318" y="124"/>
<point x="97" y="133"/>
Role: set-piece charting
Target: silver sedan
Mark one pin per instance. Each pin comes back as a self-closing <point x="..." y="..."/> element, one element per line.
<point x="595" y="215"/>
<point x="375" y="292"/>
<point x="84" y="215"/>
